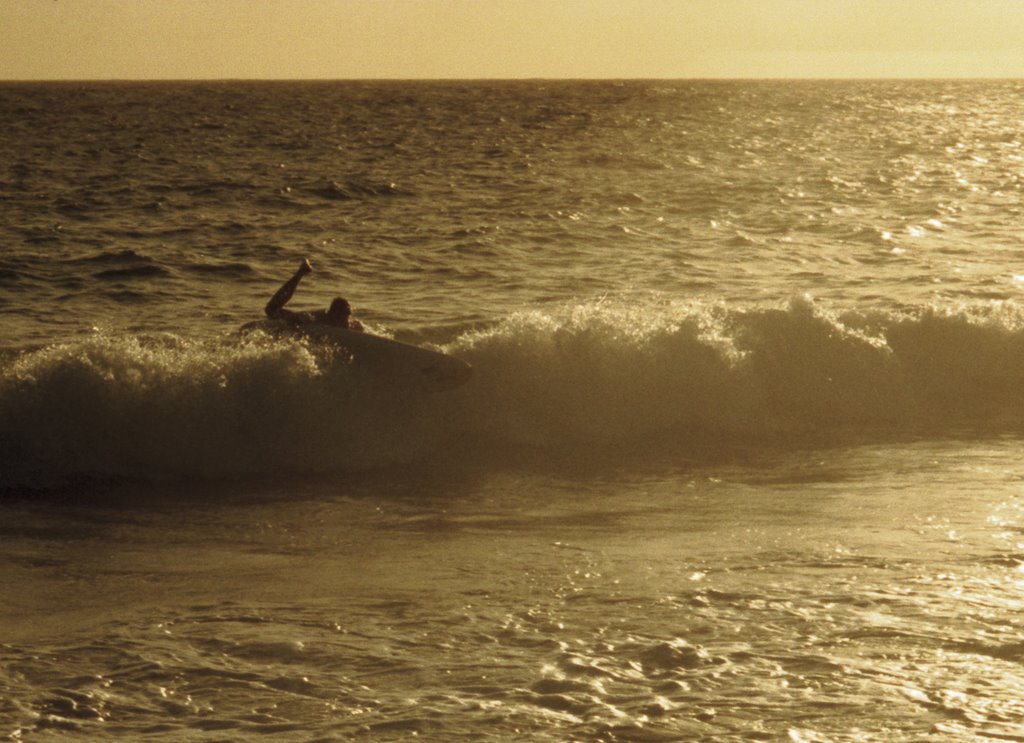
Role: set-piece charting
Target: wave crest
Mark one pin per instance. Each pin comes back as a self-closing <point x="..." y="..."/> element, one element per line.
<point x="690" y="369"/>
<point x="598" y="376"/>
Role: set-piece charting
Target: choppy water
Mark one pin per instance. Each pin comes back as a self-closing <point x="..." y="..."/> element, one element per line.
<point x="739" y="459"/>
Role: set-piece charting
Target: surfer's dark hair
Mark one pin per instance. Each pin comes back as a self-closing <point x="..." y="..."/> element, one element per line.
<point x="340" y="304"/>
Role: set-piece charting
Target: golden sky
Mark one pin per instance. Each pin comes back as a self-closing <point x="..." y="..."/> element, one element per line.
<point x="193" y="39"/>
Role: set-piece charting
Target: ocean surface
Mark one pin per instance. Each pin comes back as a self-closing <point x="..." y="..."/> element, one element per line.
<point x="740" y="458"/>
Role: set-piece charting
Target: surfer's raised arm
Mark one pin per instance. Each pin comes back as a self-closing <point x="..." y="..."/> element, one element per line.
<point x="275" y="307"/>
<point x="338" y="314"/>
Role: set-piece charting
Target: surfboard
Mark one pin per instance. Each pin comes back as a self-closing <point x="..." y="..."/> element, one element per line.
<point x="387" y="359"/>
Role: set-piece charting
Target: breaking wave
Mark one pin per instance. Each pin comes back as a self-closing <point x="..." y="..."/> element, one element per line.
<point x="598" y="376"/>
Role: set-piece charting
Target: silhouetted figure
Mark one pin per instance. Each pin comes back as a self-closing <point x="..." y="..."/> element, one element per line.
<point x="338" y="314"/>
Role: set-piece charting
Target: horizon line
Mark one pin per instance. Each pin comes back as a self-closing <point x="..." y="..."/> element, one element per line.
<point x="852" y="78"/>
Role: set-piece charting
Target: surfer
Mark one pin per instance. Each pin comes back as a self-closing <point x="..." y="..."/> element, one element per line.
<point x="338" y="314"/>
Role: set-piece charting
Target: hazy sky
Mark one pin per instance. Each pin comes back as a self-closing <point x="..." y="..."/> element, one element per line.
<point x="135" y="39"/>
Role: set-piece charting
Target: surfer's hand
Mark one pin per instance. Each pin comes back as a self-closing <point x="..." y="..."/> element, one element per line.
<point x="306" y="266"/>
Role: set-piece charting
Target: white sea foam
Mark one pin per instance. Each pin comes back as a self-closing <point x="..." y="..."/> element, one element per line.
<point x="590" y="375"/>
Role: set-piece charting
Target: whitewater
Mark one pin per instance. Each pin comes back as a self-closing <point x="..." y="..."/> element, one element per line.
<point x="739" y="458"/>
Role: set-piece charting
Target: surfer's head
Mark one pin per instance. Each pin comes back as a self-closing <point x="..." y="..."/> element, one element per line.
<point x="340" y="309"/>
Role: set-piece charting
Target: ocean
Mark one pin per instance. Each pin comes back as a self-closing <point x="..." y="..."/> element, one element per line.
<point x="738" y="460"/>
